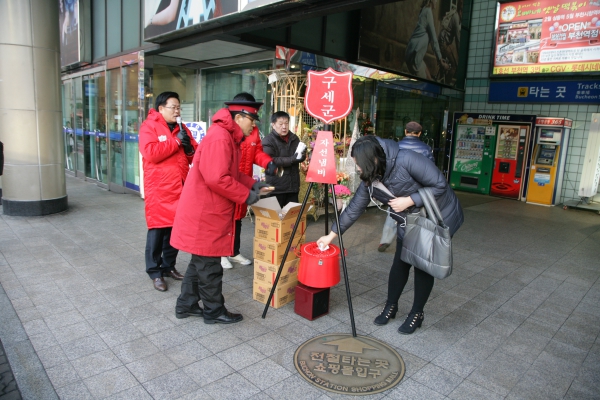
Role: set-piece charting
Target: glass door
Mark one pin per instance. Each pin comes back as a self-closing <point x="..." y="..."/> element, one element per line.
<point x="130" y="126"/>
<point x="68" y="123"/>
<point x="94" y="90"/>
<point x="78" y="127"/>
<point x="115" y="136"/>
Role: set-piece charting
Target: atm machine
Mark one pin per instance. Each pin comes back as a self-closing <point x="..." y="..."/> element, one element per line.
<point x="548" y="160"/>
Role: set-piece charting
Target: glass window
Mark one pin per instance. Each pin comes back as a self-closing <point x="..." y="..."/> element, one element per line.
<point x="220" y="85"/>
<point x="183" y="81"/>
<point x="131" y="25"/>
<point x="131" y="126"/>
<point x="99" y="26"/>
<point x="113" y="35"/>
<point x="95" y="127"/>
<point x="78" y="124"/>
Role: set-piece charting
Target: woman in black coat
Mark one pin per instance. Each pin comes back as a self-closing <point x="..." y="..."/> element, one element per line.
<point x="383" y="167"/>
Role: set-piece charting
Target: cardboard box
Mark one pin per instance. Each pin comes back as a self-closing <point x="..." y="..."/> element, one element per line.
<point x="274" y="223"/>
<point x="272" y="252"/>
<point x="283" y="293"/>
<point x="266" y="272"/>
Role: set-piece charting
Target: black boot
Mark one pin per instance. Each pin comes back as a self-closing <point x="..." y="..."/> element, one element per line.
<point x="389" y="311"/>
<point x="411" y="323"/>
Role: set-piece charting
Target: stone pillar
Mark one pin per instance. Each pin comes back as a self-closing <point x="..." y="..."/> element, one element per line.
<point x="30" y="108"/>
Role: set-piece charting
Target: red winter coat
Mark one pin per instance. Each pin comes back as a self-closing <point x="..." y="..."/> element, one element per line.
<point x="252" y="153"/>
<point x="165" y="169"/>
<point x="204" y="223"/>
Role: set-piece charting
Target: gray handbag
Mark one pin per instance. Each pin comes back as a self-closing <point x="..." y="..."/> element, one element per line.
<point x="427" y="244"/>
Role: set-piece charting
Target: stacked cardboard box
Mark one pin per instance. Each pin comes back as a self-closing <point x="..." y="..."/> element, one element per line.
<point x="271" y="236"/>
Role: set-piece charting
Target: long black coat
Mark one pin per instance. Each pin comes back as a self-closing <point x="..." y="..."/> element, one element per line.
<point x="406" y="171"/>
<point x="282" y="153"/>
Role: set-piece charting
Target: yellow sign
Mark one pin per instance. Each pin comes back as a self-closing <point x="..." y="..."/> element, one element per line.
<point x="522" y="92"/>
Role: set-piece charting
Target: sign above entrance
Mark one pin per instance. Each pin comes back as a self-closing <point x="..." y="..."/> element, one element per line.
<point x="328" y="94"/>
<point x="572" y="92"/>
<point x="162" y="17"/>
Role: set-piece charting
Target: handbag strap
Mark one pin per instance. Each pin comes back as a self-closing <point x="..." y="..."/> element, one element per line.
<point x="430" y="204"/>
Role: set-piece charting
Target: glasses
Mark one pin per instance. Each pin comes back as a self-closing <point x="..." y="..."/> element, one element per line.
<point x="176" y="108"/>
<point x="250" y="118"/>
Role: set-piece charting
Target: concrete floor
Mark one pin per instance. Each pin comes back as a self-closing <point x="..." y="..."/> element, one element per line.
<point x="518" y="319"/>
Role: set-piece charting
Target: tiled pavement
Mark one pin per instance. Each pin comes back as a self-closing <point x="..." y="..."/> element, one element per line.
<point x="518" y="319"/>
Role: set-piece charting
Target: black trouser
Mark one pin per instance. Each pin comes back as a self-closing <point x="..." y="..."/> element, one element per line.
<point x="284" y="198"/>
<point x="399" y="276"/>
<point x="236" y="238"/>
<point x="203" y="280"/>
<point x="160" y="255"/>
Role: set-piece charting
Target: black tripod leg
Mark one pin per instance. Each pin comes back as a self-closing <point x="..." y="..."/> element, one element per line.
<point x="287" y="249"/>
<point x="344" y="268"/>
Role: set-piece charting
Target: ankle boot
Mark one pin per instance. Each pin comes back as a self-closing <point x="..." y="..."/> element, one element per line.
<point x="411" y="323"/>
<point x="389" y="311"/>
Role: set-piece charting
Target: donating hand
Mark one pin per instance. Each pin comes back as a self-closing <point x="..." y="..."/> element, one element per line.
<point x="324" y="241"/>
<point x="400" y="204"/>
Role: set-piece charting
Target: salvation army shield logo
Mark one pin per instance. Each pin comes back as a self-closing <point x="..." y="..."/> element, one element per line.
<point x="328" y="94"/>
<point x="198" y="130"/>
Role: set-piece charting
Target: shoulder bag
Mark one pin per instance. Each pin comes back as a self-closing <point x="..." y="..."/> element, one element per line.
<point x="427" y="244"/>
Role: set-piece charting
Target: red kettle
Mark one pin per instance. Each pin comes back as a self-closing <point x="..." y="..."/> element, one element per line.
<point x="318" y="269"/>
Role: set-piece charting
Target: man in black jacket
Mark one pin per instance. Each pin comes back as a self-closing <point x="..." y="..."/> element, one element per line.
<point x="411" y="141"/>
<point x="281" y="145"/>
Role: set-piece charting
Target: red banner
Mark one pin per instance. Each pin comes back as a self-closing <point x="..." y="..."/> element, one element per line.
<point x="547" y="36"/>
<point x="322" y="161"/>
<point x="328" y="94"/>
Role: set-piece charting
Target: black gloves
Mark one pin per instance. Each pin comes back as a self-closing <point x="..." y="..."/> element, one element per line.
<point x="252" y="197"/>
<point x="271" y="169"/>
<point x="185" y="142"/>
<point x="259" y="185"/>
<point x="299" y="160"/>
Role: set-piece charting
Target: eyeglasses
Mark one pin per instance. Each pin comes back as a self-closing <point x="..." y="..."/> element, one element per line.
<point x="177" y="108"/>
<point x="249" y="117"/>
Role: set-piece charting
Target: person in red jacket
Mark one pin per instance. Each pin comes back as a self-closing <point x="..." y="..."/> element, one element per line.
<point x="167" y="152"/>
<point x="252" y="153"/>
<point x="204" y="222"/>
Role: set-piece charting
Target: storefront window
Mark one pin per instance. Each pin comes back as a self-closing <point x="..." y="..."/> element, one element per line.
<point x="78" y="124"/>
<point x="222" y="84"/>
<point x="95" y="127"/>
<point x="182" y="81"/>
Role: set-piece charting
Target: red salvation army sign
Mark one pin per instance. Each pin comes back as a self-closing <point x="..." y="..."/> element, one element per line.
<point x="328" y="94"/>
<point x="322" y="161"/>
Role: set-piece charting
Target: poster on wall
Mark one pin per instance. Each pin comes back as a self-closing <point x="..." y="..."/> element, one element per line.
<point x="418" y="38"/>
<point x="164" y="16"/>
<point x="547" y="37"/>
<point x="69" y="31"/>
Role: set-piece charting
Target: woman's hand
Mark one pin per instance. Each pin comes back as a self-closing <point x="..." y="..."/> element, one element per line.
<point x="401" y="203"/>
<point x="325" y="240"/>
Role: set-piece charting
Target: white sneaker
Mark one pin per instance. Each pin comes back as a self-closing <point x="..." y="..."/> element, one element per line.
<point x="240" y="259"/>
<point x="225" y="263"/>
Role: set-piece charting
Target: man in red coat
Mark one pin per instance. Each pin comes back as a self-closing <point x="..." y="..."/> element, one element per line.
<point x="204" y="222"/>
<point x="167" y="149"/>
<point x="252" y="153"/>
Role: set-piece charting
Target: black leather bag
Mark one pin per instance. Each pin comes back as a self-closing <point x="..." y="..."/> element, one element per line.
<point x="427" y="244"/>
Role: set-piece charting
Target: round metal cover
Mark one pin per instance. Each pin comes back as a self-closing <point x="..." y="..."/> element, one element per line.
<point x="344" y="364"/>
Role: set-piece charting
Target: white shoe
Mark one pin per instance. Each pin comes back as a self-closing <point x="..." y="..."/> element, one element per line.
<point x="225" y="263"/>
<point x="240" y="259"/>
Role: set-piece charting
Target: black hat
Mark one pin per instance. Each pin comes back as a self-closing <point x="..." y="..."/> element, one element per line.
<point x="250" y="108"/>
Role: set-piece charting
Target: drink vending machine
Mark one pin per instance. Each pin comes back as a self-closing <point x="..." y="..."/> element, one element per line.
<point x="490" y="153"/>
<point x="548" y="160"/>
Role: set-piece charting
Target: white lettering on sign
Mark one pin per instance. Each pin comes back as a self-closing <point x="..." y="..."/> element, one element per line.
<point x="330" y="80"/>
<point x="323" y="162"/>
<point x="328" y="96"/>
<point x="327" y="110"/>
<point x="321" y="172"/>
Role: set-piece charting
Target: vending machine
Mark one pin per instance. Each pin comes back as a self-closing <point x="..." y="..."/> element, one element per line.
<point x="511" y="160"/>
<point x="548" y="160"/>
<point x="473" y="156"/>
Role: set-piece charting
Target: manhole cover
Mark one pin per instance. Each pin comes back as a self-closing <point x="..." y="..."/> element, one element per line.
<point x="344" y="364"/>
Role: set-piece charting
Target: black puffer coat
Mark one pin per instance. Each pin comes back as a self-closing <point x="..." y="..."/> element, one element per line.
<point x="406" y="172"/>
<point x="282" y="153"/>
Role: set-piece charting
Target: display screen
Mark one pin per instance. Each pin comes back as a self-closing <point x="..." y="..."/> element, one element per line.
<point x="547" y="134"/>
<point x="546" y="154"/>
<point x="547" y="37"/>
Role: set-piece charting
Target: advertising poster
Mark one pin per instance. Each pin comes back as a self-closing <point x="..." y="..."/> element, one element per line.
<point x="164" y="16"/>
<point x="69" y="31"/>
<point x="418" y="38"/>
<point x="547" y="37"/>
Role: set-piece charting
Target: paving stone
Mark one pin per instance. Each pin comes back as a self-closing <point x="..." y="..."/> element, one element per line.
<point x="437" y="378"/>
<point x="171" y="385"/>
<point x="110" y="382"/>
<point x="238" y="388"/>
<point x="240" y="356"/>
<point x="96" y="363"/>
<point x="470" y="391"/>
<point x="74" y="391"/>
<point x="82" y="347"/>
<point x="148" y="368"/>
